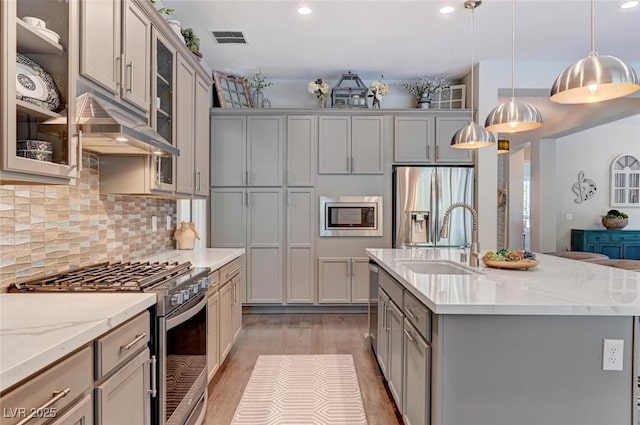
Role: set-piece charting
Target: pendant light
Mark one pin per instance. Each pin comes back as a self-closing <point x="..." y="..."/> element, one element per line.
<point x="472" y="136"/>
<point x="594" y="78"/>
<point x="513" y="116"/>
<point x="503" y="146"/>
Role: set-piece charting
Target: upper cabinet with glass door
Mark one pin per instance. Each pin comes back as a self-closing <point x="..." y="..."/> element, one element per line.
<point x="38" y="86"/>
<point x="163" y="116"/>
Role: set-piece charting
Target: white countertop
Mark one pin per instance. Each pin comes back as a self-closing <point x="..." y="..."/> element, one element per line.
<point x="199" y="257"/>
<point x="38" y="329"/>
<point x="557" y="286"/>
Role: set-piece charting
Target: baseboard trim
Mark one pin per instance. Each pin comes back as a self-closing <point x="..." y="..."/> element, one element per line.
<point x="301" y="309"/>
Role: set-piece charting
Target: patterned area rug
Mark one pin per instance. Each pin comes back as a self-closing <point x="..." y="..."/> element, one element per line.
<point x="302" y="390"/>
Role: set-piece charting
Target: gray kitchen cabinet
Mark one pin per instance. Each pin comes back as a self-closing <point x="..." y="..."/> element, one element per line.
<point x="115" y="49"/>
<point x="300" y="245"/>
<point x="382" y="349"/>
<point x="236" y="308"/>
<point x="163" y="89"/>
<point x="416" y="377"/>
<point x="247" y="150"/>
<point x="343" y="280"/>
<point x="428" y="140"/>
<point x="252" y="218"/>
<point x="213" y="353"/>
<point x="350" y="145"/>
<point x="302" y="139"/>
<point x="396" y="354"/>
<point x="225" y="318"/>
<point x="124" y="397"/>
<point x="23" y="120"/>
<point x="185" y="108"/>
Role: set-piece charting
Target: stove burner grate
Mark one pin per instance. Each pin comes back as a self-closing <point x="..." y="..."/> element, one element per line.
<point x="111" y="277"/>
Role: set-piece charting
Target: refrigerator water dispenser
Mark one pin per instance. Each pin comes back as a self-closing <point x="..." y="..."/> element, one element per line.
<point x="419" y="227"/>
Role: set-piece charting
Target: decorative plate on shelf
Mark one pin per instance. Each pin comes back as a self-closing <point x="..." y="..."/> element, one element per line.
<point x="35" y="85"/>
<point x="511" y="265"/>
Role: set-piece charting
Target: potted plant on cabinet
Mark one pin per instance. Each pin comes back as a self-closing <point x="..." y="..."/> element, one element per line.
<point x="615" y="220"/>
<point x="166" y="12"/>
<point x="192" y="42"/>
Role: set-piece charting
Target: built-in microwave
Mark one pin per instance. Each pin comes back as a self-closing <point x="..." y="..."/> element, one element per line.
<point x="351" y="216"/>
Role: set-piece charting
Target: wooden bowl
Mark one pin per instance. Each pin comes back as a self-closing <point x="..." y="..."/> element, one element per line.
<point x="615" y="223"/>
<point x="511" y="265"/>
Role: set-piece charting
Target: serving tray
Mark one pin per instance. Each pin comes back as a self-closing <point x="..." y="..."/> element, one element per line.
<point x="511" y="265"/>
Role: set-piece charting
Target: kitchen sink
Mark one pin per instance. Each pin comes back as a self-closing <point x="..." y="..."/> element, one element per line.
<point x="434" y="267"/>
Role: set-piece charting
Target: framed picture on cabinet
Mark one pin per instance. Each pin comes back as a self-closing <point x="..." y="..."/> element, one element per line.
<point x="231" y="91"/>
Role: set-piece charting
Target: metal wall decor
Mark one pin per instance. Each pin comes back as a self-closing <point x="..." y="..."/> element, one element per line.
<point x="231" y="91"/>
<point x="584" y="189"/>
<point x="349" y="92"/>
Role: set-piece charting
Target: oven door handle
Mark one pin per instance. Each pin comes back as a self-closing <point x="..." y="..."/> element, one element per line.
<point x="183" y="317"/>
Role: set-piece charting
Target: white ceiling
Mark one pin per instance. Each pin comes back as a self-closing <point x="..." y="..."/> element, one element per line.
<point x="401" y="39"/>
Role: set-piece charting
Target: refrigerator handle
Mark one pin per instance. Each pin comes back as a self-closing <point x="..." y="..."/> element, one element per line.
<point x="435" y="213"/>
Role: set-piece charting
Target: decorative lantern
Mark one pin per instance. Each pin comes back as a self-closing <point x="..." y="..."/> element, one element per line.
<point x="349" y="92"/>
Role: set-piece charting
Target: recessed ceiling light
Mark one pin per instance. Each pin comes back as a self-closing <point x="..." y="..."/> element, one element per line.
<point x="447" y="9"/>
<point x="629" y="4"/>
<point x="304" y="10"/>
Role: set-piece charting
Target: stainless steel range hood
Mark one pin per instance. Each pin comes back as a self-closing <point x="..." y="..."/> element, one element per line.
<point x="108" y="130"/>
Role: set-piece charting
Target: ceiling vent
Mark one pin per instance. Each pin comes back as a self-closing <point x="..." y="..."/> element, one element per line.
<point x="229" y="37"/>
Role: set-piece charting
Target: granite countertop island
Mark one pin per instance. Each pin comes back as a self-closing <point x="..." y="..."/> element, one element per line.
<point x="508" y="347"/>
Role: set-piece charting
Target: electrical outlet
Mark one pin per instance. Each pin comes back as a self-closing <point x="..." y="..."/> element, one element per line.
<point x="569" y="217"/>
<point x="612" y="353"/>
<point x="168" y="223"/>
<point x="154" y="223"/>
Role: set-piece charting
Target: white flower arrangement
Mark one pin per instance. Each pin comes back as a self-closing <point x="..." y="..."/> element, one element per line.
<point x="428" y="85"/>
<point x="258" y="81"/>
<point x="318" y="87"/>
<point x="378" y="89"/>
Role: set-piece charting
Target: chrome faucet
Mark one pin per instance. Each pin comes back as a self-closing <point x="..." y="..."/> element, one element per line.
<point x="474" y="258"/>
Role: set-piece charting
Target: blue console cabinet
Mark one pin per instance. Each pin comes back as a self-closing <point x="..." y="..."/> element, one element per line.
<point x="617" y="244"/>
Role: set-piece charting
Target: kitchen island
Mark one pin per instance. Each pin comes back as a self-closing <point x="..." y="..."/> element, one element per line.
<point x="506" y="346"/>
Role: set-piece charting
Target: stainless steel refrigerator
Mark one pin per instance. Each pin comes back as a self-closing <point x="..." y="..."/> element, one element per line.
<point x="421" y="195"/>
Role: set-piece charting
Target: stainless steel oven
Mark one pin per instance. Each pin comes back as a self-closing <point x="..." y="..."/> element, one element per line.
<point x="351" y="216"/>
<point x="182" y="355"/>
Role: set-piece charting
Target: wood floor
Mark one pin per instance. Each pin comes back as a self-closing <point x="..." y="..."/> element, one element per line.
<point x="300" y="334"/>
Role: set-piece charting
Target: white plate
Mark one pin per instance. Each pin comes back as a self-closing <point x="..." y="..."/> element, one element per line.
<point x="51" y="35"/>
<point x="34" y="85"/>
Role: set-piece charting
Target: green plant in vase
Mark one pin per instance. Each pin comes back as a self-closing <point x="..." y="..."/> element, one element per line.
<point x="192" y="41"/>
<point x="615" y="219"/>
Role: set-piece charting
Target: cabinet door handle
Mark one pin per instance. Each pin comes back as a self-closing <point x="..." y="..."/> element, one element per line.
<point x="195" y="180"/>
<point x="409" y="336"/>
<point x="118" y="64"/>
<point x="437" y="156"/>
<point x="348" y="165"/>
<point x="384" y="317"/>
<point x="388" y="320"/>
<point x="352" y="165"/>
<point x="154" y="387"/>
<point x="158" y="169"/>
<point x="409" y="313"/>
<point x="133" y="342"/>
<point x="199" y="183"/>
<point x="57" y="395"/>
<point x="79" y="150"/>
<point x="130" y="66"/>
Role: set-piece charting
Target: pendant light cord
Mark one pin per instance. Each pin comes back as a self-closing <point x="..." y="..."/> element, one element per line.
<point x="593" y="27"/>
<point x="513" y="49"/>
<point x="473" y="32"/>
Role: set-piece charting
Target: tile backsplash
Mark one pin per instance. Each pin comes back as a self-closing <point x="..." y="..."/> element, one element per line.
<point x="48" y="229"/>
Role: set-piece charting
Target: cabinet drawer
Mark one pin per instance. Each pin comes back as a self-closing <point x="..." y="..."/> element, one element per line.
<point x="80" y="413"/>
<point x="625" y="237"/>
<point x="418" y="315"/>
<point x="214" y="281"/>
<point x="121" y="343"/>
<point x="391" y="287"/>
<point x="228" y="270"/>
<point x="65" y="381"/>
<point x="597" y="237"/>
